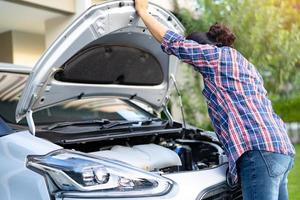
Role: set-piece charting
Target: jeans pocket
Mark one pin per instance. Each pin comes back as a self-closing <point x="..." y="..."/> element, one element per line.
<point x="277" y="164"/>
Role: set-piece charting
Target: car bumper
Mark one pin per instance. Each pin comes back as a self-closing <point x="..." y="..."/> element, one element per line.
<point x="187" y="185"/>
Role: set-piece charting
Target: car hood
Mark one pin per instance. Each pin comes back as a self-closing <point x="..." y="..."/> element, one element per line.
<point x="107" y="51"/>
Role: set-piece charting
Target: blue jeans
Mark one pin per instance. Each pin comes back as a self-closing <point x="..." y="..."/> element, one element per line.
<point x="263" y="175"/>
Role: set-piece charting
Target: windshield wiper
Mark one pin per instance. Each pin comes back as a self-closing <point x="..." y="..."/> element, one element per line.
<point x="138" y="123"/>
<point x="104" y="123"/>
<point x="63" y="124"/>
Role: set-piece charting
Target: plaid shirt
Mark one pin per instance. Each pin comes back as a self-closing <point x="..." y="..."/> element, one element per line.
<point x="240" y="111"/>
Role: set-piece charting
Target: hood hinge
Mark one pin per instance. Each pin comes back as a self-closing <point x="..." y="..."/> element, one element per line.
<point x="30" y="122"/>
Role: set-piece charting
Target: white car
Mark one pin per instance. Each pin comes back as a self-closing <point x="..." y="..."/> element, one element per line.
<point x="83" y="131"/>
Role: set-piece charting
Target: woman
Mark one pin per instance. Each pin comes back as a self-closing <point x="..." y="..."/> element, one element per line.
<point x="254" y="138"/>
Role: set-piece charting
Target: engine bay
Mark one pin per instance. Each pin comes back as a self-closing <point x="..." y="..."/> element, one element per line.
<point x="188" y="150"/>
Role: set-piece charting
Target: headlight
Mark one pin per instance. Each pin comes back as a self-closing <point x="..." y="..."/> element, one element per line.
<point x="78" y="172"/>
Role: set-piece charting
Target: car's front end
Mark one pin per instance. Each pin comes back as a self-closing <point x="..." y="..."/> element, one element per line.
<point x="70" y="174"/>
<point x="128" y="144"/>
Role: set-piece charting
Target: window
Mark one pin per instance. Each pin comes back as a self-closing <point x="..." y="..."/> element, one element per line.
<point x="11" y="86"/>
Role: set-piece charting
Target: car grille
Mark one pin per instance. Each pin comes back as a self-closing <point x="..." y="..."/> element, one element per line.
<point x="221" y="192"/>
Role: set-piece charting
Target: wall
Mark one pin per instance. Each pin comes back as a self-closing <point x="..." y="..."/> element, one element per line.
<point x="6" y="49"/>
<point x="55" y="26"/>
<point x="27" y="47"/>
<point x="67" y="6"/>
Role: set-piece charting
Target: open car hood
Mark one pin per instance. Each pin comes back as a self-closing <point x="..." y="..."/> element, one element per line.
<point x="107" y="51"/>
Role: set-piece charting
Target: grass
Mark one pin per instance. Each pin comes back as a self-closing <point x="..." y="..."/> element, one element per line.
<point x="294" y="177"/>
<point x="288" y="108"/>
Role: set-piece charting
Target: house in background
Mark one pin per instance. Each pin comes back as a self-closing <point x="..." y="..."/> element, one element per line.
<point x="28" y="27"/>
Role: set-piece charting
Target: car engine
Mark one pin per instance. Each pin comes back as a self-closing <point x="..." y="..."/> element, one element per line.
<point x="169" y="155"/>
<point x="170" y="150"/>
<point x="143" y="156"/>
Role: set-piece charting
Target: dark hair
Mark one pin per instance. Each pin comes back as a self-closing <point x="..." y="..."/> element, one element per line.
<point x="200" y="37"/>
<point x="218" y="34"/>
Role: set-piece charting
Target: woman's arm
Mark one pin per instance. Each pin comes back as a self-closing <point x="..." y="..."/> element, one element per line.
<point x="189" y="51"/>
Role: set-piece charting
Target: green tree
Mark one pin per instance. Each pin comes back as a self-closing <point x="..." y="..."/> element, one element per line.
<point x="268" y="34"/>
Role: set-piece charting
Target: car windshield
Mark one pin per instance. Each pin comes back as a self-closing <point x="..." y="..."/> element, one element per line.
<point x="11" y="86"/>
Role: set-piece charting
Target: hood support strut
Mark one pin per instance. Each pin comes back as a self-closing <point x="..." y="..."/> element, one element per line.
<point x="180" y="100"/>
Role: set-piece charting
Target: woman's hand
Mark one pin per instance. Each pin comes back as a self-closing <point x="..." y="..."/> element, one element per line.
<point x="141" y="6"/>
<point x="155" y="27"/>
